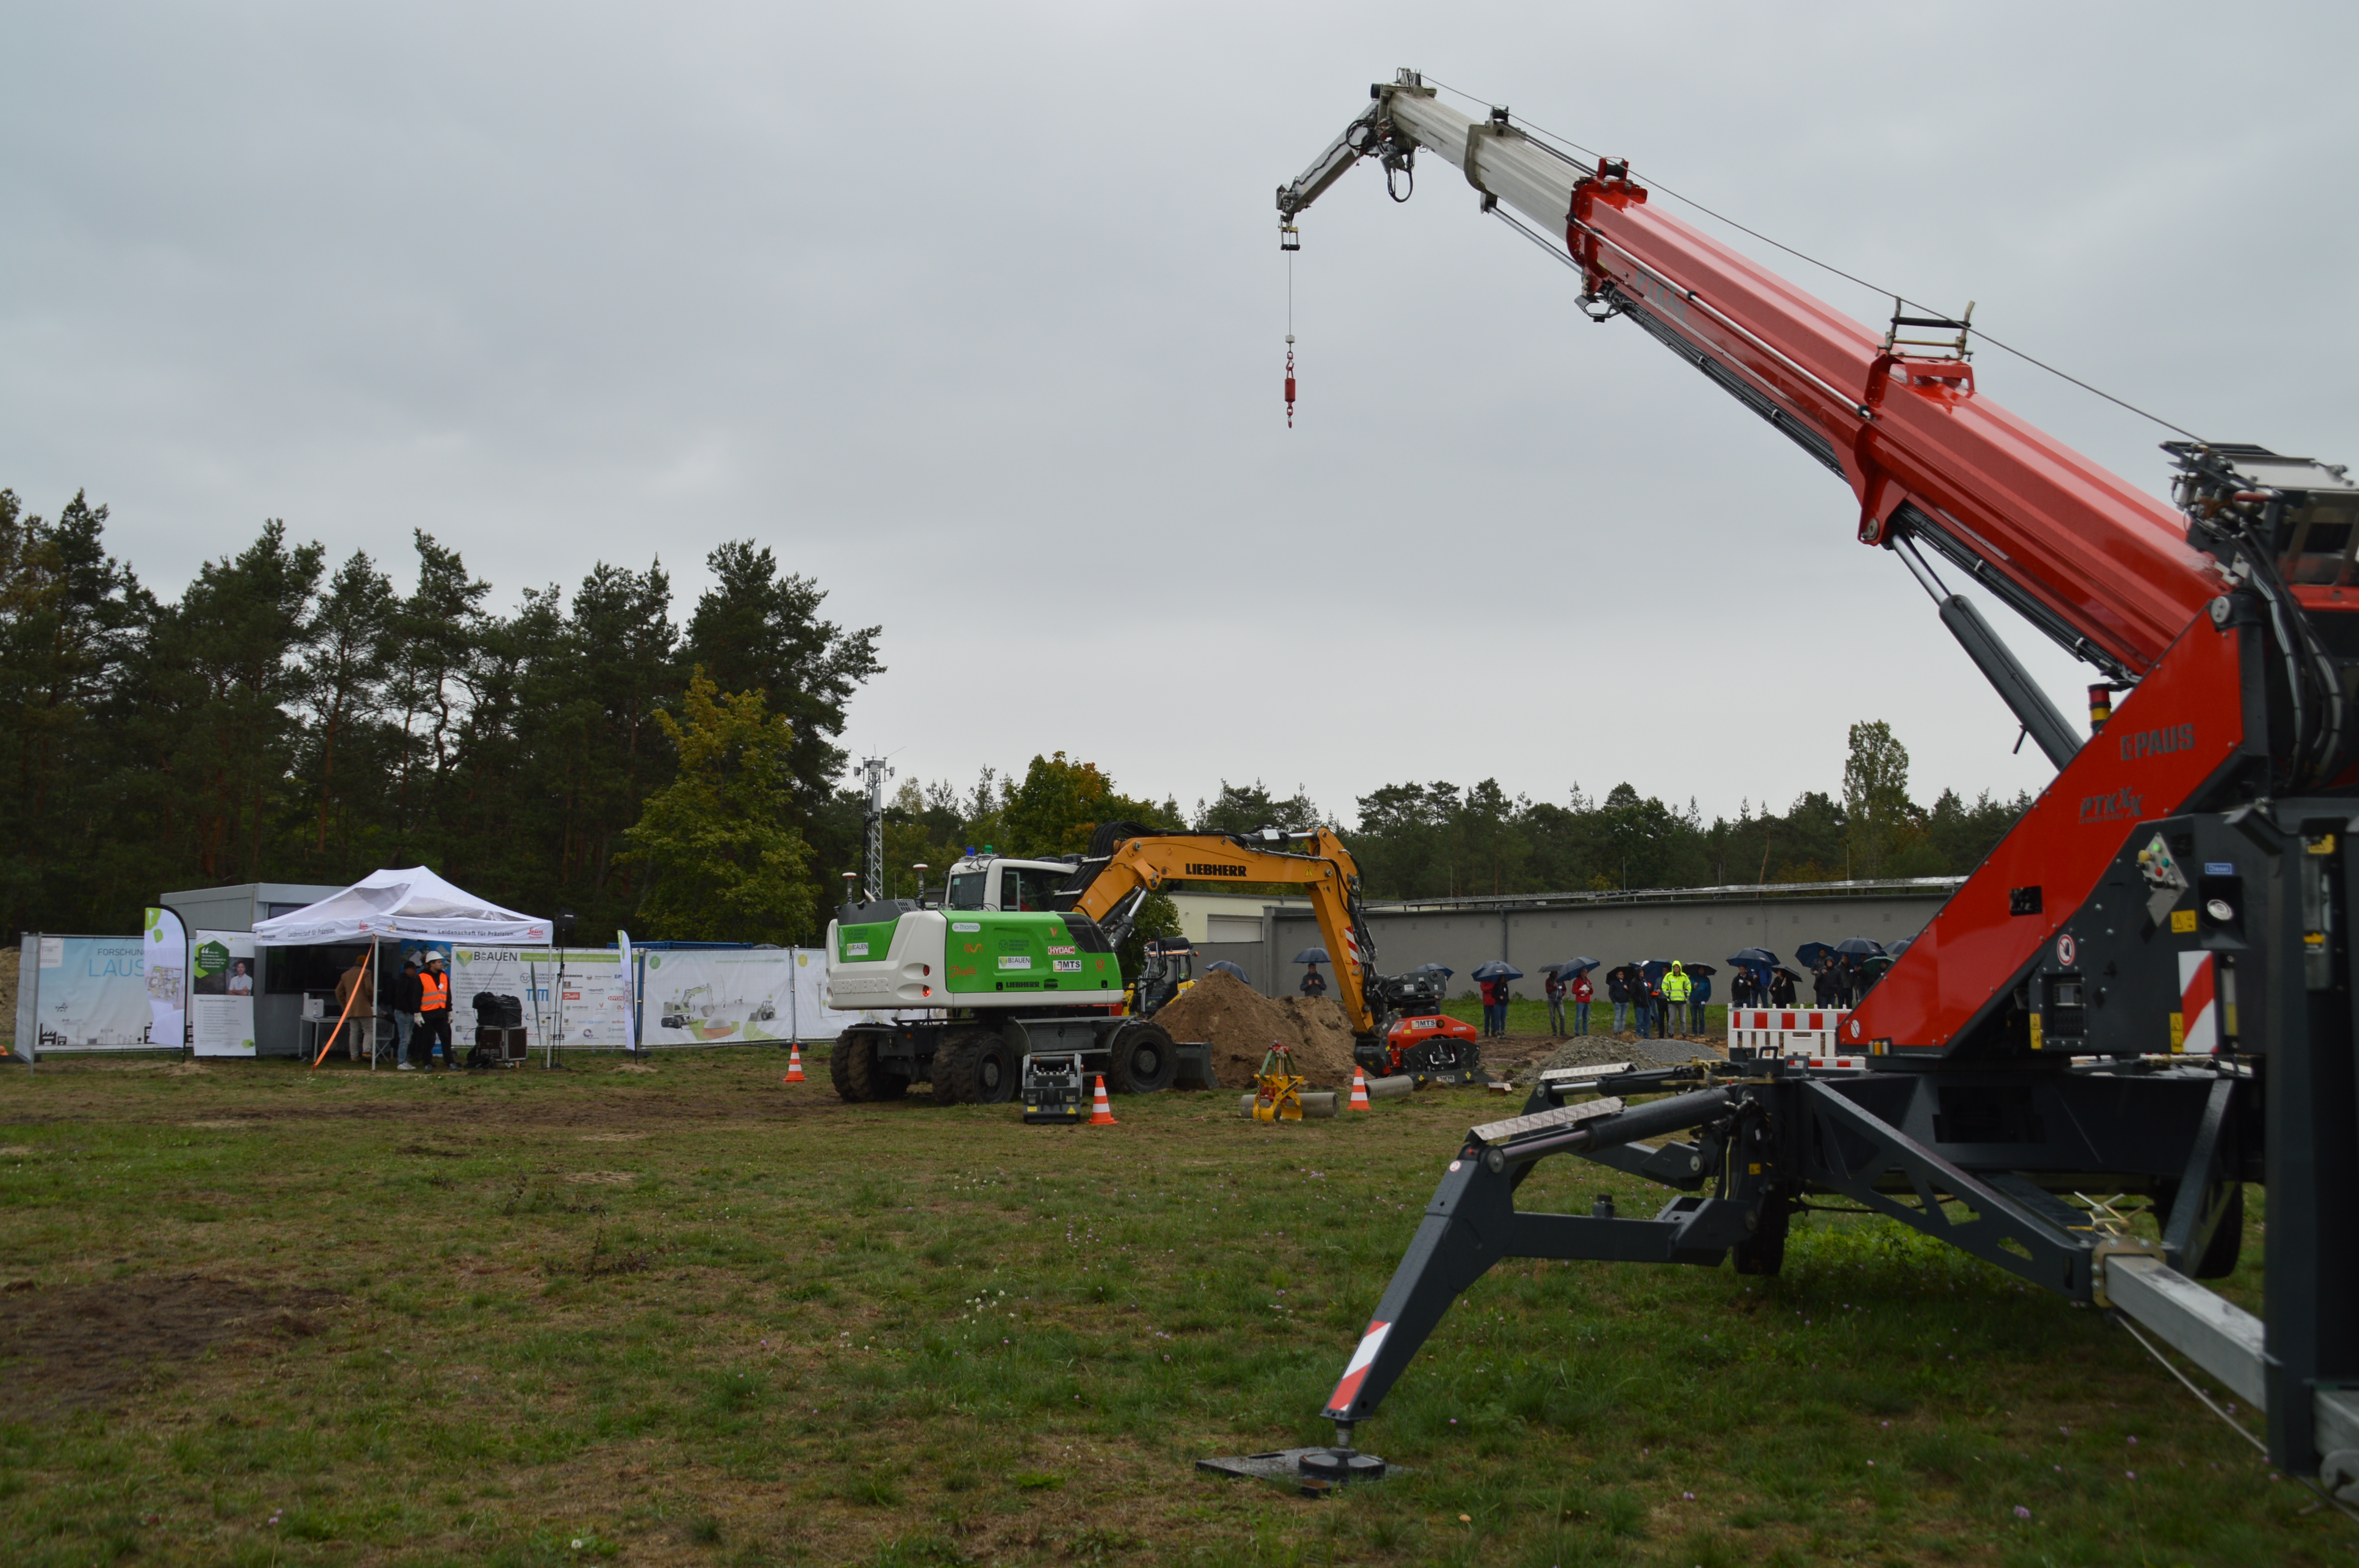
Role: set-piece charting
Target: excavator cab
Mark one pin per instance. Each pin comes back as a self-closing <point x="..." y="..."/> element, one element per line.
<point x="993" y="881"/>
<point x="1167" y="970"/>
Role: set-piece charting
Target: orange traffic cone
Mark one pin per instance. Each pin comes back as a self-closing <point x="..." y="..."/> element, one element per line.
<point x="1102" y="1114"/>
<point x="794" y="1065"/>
<point x="1360" y="1090"/>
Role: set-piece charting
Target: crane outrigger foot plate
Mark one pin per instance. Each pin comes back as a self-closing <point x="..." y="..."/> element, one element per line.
<point x="1315" y="1470"/>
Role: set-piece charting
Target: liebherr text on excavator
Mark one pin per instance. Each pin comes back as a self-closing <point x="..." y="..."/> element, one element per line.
<point x="2146" y="987"/>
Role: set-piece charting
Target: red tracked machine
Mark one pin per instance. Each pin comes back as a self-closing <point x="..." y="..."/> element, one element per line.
<point x="2147" y="987"/>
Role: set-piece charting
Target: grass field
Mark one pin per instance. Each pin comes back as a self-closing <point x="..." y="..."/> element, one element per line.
<point x="687" y="1315"/>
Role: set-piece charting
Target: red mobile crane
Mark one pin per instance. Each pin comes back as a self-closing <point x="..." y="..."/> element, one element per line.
<point x="2146" y="987"/>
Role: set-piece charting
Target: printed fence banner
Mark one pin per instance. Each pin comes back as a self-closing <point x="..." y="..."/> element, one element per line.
<point x="87" y="994"/>
<point x="168" y="978"/>
<point x="630" y="1010"/>
<point x="590" y="1007"/>
<point x="731" y="995"/>
<point x="717" y="996"/>
<point x="220" y="993"/>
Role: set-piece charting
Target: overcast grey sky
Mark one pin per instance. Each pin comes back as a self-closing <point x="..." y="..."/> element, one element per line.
<point x="974" y="313"/>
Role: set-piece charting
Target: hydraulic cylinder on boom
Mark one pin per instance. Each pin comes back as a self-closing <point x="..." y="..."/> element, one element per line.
<point x="2148" y="985"/>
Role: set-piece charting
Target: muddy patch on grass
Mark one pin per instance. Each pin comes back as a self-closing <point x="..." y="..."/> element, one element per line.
<point x="70" y="1347"/>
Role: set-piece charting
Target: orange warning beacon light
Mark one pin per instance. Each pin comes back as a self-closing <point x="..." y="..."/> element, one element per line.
<point x="1289" y="381"/>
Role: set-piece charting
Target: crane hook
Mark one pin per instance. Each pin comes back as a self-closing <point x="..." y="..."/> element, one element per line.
<point x="1289" y="381"/>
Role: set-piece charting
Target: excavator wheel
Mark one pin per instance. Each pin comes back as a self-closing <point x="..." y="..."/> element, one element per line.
<point x="1145" y="1059"/>
<point x="983" y="1070"/>
<point x="857" y="1074"/>
<point x="943" y="1073"/>
<point x="1764" y="1251"/>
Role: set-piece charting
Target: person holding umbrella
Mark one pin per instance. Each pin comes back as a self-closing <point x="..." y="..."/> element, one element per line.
<point x="1617" y="991"/>
<point x="1554" y="987"/>
<point x="1583" y="993"/>
<point x="1701" y="975"/>
<point x="1314" y="984"/>
<point x="1494" y="974"/>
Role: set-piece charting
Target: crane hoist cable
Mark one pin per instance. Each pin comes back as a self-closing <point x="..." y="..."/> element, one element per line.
<point x="1289" y="240"/>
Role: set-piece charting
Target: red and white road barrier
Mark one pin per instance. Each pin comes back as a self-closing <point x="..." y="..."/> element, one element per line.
<point x="1788" y="1032"/>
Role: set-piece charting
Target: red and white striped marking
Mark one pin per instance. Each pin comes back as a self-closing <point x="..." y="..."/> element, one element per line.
<point x="2199" y="1005"/>
<point x="1348" y="1388"/>
<point x="1786" y="1030"/>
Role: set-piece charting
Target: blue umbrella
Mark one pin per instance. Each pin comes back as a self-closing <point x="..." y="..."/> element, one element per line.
<point x="1573" y="969"/>
<point x="1754" y="958"/>
<point x="1810" y="953"/>
<point x="1444" y="970"/>
<point x="1498" y="970"/>
<point x="1858" y="947"/>
<point x="1311" y="956"/>
<point x="1222" y="967"/>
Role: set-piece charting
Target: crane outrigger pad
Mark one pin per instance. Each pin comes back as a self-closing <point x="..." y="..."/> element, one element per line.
<point x="1315" y="1470"/>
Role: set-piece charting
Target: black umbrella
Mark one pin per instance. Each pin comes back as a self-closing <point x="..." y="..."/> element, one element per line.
<point x="1702" y="972"/>
<point x="1893" y="949"/>
<point x="1573" y="969"/>
<point x="1222" y="967"/>
<point x="1311" y="956"/>
<point x="1444" y="970"/>
<point x="1788" y="974"/>
<point x="1810" y="954"/>
<point x="1498" y="970"/>
<point x="1858" y="947"/>
<point x="1758" y="958"/>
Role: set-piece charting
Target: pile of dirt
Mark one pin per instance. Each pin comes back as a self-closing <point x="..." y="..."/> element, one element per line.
<point x="1240" y="1024"/>
<point x="79" y="1346"/>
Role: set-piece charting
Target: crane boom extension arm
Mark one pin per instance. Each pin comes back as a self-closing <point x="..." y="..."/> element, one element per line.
<point x="1322" y="868"/>
<point x="2091" y="560"/>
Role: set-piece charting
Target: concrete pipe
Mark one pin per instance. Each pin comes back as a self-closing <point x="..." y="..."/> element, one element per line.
<point x="1400" y="1088"/>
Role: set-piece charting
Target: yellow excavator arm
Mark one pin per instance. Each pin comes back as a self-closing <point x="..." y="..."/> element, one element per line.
<point x="1127" y="865"/>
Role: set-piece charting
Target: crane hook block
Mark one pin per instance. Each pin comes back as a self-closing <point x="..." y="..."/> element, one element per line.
<point x="1289" y="381"/>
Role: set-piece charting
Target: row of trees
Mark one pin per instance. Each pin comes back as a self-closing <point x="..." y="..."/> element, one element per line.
<point x="1445" y="840"/>
<point x="285" y="721"/>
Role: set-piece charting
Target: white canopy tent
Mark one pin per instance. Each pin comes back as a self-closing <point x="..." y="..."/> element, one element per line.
<point x="393" y="904"/>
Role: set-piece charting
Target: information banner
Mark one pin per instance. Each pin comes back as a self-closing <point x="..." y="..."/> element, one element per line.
<point x="732" y="995"/>
<point x="583" y="1001"/>
<point x="719" y="996"/>
<point x="220" y="993"/>
<point x="168" y="978"/>
<point x="88" y="994"/>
